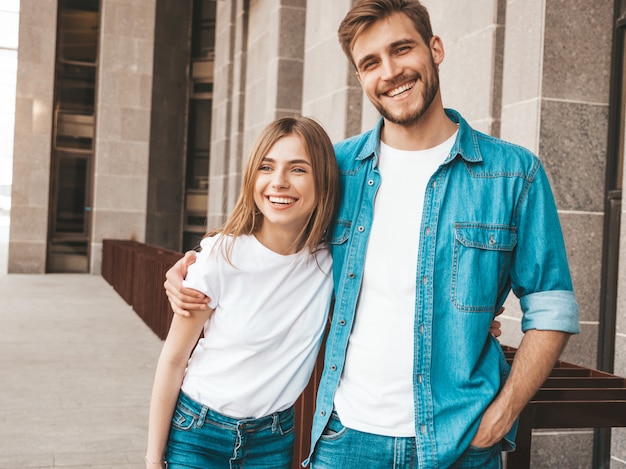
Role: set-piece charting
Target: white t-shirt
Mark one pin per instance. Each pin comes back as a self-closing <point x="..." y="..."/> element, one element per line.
<point x="375" y="394"/>
<point x="261" y="343"/>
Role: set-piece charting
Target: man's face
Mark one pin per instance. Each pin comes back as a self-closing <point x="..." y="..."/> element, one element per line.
<point x="396" y="69"/>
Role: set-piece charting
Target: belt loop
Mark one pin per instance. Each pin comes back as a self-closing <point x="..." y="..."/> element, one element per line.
<point x="275" y="422"/>
<point x="202" y="416"/>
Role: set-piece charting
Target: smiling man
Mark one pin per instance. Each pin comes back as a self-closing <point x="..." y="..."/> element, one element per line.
<point x="438" y="223"/>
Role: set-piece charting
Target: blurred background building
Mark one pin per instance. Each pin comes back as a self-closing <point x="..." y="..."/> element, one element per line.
<point x="132" y="120"/>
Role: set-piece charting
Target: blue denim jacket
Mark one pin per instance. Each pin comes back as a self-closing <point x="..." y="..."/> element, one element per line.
<point x="489" y="225"/>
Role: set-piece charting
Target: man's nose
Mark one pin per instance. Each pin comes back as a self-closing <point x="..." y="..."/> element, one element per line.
<point x="391" y="69"/>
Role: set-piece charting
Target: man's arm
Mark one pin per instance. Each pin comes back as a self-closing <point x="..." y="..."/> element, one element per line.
<point x="183" y="300"/>
<point x="535" y="358"/>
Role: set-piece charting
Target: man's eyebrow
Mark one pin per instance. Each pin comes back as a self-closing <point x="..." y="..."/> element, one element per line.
<point x="393" y="45"/>
<point x="402" y="42"/>
<point x="363" y="60"/>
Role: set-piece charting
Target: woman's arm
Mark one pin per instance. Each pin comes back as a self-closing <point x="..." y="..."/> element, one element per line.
<point x="181" y="339"/>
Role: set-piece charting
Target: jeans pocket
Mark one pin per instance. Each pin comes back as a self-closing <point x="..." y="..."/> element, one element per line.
<point x="334" y="429"/>
<point x="184" y="417"/>
<point x="480" y="458"/>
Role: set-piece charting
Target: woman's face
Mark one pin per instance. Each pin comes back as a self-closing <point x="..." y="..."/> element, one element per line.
<point x="284" y="189"/>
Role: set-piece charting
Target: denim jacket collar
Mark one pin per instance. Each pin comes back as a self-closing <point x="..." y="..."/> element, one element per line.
<point x="466" y="144"/>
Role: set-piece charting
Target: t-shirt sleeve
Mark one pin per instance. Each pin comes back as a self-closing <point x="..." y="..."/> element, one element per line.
<point x="203" y="275"/>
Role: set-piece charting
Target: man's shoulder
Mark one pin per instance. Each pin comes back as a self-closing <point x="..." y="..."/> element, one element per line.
<point x="352" y="147"/>
<point x="502" y="155"/>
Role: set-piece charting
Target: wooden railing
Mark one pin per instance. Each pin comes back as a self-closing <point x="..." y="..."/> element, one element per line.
<point x="571" y="397"/>
<point x="137" y="272"/>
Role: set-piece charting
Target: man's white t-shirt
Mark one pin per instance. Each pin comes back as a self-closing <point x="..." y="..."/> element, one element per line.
<point x="375" y="394"/>
<point x="261" y="343"/>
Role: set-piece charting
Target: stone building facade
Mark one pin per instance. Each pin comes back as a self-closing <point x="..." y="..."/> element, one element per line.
<point x="547" y="74"/>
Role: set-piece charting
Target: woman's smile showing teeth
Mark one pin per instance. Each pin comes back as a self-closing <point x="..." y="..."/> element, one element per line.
<point x="281" y="200"/>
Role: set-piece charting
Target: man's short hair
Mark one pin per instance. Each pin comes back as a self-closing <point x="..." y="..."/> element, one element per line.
<point x="367" y="12"/>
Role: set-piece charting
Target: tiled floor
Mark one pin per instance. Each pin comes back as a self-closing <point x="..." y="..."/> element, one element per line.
<point x="76" y="369"/>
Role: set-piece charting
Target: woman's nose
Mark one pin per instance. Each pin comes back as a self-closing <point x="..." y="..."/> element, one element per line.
<point x="279" y="180"/>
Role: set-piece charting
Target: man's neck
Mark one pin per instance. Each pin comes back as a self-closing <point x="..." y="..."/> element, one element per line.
<point x="432" y="128"/>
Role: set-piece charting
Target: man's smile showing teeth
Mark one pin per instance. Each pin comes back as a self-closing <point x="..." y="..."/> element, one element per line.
<point x="281" y="200"/>
<point x="400" y="89"/>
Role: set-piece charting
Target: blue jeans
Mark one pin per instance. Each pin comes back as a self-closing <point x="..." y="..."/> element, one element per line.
<point x="204" y="439"/>
<point x="340" y="447"/>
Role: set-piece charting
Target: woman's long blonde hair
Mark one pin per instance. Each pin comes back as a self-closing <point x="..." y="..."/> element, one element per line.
<point x="246" y="217"/>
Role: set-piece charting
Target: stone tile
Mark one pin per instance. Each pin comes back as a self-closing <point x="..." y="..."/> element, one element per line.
<point x="117" y="224"/>
<point x="289" y="85"/>
<point x="292" y="30"/>
<point x="523" y="51"/>
<point x="560" y="450"/>
<point x="88" y="393"/>
<point x="26" y="257"/>
<point x="583" y="234"/>
<point x="578" y="141"/>
<point x="28" y="223"/>
<point x="582" y="349"/>
<point x="618" y="448"/>
<point x="135" y="125"/>
<point x="520" y="124"/>
<point x="572" y="67"/>
<point x="114" y="157"/>
<point x="620" y="354"/>
<point x="121" y="192"/>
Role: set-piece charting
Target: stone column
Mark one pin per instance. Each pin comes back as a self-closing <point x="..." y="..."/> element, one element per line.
<point x="331" y="93"/>
<point x="123" y="104"/>
<point x="33" y="136"/>
<point x="258" y="77"/>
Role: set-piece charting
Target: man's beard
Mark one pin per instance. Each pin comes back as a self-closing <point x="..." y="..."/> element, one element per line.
<point x="408" y="119"/>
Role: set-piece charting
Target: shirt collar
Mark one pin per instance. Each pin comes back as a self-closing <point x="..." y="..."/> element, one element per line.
<point x="466" y="144"/>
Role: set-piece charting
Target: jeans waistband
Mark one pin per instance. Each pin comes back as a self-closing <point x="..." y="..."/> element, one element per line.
<point x="249" y="423"/>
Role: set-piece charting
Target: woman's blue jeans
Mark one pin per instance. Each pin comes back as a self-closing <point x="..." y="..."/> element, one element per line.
<point x="204" y="439"/>
<point x="343" y="448"/>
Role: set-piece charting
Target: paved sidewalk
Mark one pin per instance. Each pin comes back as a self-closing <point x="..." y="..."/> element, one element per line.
<point x="76" y="369"/>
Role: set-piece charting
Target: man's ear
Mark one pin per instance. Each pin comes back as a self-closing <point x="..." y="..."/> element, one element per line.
<point x="436" y="49"/>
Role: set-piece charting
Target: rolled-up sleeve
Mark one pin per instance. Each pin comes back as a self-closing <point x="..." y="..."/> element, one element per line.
<point x="555" y="310"/>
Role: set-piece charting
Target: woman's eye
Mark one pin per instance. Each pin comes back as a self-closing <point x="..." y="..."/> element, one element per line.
<point x="265" y="168"/>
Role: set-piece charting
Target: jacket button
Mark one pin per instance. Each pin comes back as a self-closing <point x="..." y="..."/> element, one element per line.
<point x="351" y="275"/>
<point x="370" y="182"/>
<point x="360" y="229"/>
<point x="333" y="367"/>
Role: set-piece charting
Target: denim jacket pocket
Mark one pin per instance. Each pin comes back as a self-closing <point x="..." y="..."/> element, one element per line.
<point x="340" y="232"/>
<point x="482" y="254"/>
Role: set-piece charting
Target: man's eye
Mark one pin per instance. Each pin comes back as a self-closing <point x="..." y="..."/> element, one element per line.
<point x="369" y="65"/>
